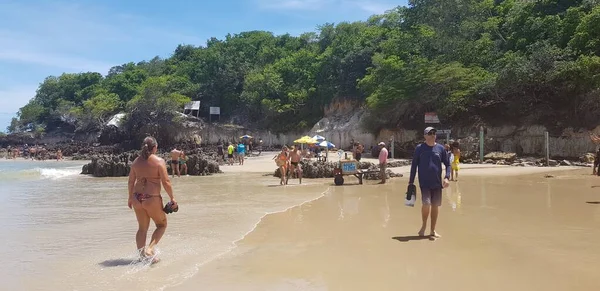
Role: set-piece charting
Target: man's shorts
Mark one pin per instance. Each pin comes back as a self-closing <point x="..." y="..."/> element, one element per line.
<point x="431" y="196"/>
<point x="230" y="156"/>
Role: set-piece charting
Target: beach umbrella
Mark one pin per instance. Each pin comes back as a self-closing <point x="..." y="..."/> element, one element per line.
<point x="318" y="138"/>
<point x="245" y="136"/>
<point x="306" y="140"/>
<point x="327" y="144"/>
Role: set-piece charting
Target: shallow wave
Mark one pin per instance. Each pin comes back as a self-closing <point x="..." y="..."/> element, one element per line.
<point x="40" y="173"/>
<point x="191" y="273"/>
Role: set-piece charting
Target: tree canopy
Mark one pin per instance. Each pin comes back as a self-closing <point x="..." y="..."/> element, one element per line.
<point x="472" y="61"/>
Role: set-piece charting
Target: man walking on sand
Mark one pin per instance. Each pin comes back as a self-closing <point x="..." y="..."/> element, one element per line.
<point x="428" y="158"/>
<point x="383" y="156"/>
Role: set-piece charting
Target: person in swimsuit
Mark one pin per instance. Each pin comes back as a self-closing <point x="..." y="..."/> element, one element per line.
<point x="175" y="162"/>
<point x="147" y="174"/>
<point x="455" y="161"/>
<point x="183" y="163"/>
<point x="295" y="163"/>
<point x="282" y="162"/>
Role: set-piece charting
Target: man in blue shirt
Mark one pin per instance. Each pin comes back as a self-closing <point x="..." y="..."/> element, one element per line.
<point x="428" y="158"/>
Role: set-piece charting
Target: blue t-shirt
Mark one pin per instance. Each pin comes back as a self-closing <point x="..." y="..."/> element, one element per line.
<point x="429" y="161"/>
<point x="241" y="148"/>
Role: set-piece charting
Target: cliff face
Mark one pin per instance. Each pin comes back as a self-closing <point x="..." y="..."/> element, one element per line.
<point x="343" y="120"/>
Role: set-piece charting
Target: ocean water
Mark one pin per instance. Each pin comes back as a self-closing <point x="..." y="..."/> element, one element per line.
<point x="66" y="231"/>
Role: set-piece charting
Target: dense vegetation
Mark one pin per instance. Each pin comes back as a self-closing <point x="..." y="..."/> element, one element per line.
<point x="470" y="60"/>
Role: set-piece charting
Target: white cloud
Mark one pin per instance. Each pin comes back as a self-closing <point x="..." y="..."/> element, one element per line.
<point x="41" y="38"/>
<point x="58" y="61"/>
<point x="12" y="99"/>
<point x="75" y="37"/>
<point x="374" y="7"/>
<point x="293" y="4"/>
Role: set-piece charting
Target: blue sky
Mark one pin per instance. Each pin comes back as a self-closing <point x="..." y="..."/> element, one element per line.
<point x="41" y="38"/>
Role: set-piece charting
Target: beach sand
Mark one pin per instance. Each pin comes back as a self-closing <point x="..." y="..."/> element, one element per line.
<point x="503" y="228"/>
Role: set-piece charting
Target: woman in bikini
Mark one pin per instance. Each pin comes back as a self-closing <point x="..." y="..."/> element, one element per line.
<point x="282" y="161"/>
<point x="147" y="174"/>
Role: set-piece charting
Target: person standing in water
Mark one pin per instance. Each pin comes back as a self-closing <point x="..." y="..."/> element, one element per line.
<point x="428" y="159"/>
<point x="175" y="162"/>
<point x="383" y="156"/>
<point x="183" y="163"/>
<point x="282" y="162"/>
<point x="147" y="174"/>
<point x="295" y="166"/>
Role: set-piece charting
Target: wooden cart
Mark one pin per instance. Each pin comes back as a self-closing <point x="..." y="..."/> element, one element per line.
<point x="349" y="167"/>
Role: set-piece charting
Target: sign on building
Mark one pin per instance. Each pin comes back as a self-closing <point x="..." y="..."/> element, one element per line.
<point x="431" y="117"/>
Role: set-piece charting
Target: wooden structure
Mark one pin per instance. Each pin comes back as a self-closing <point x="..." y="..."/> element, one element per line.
<point x="349" y="167"/>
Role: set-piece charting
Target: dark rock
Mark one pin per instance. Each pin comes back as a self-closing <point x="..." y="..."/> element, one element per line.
<point x="501" y="156"/>
<point x="587" y="158"/>
<point x="119" y="165"/>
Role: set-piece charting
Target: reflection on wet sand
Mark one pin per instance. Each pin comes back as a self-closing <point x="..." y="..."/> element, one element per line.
<point x="507" y="233"/>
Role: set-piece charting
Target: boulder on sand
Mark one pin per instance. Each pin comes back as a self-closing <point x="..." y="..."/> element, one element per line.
<point x="496" y="156"/>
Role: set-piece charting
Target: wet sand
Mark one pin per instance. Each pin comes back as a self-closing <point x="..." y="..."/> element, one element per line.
<point x="503" y="228"/>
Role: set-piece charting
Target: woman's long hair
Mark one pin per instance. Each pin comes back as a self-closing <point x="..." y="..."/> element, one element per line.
<point x="148" y="145"/>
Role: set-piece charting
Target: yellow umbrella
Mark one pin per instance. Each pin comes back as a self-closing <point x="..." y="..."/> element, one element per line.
<point x="306" y="140"/>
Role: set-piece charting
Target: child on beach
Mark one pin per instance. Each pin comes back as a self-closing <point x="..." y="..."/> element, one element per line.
<point x="455" y="160"/>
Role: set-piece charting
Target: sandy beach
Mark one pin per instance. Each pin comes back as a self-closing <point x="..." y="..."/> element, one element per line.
<point x="503" y="228"/>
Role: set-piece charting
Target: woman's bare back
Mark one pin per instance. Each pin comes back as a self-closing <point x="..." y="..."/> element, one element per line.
<point x="148" y="175"/>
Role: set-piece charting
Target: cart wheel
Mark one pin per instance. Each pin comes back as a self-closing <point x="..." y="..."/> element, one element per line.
<point x="338" y="180"/>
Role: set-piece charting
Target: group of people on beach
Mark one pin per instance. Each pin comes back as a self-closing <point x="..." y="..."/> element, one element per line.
<point x="289" y="162"/>
<point x="25" y="151"/>
<point x="236" y="152"/>
<point x="149" y="172"/>
<point x="178" y="163"/>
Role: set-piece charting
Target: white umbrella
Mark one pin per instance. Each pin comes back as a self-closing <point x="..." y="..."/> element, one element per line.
<point x="318" y="138"/>
<point x="327" y="144"/>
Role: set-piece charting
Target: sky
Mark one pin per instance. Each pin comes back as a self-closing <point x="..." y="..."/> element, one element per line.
<point x="42" y="38"/>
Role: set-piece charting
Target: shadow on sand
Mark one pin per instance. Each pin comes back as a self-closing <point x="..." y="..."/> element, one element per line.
<point x="118" y="262"/>
<point x="411" y="237"/>
<point x="592" y="202"/>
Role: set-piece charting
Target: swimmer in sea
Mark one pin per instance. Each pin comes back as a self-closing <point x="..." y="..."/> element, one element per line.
<point x="147" y="174"/>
